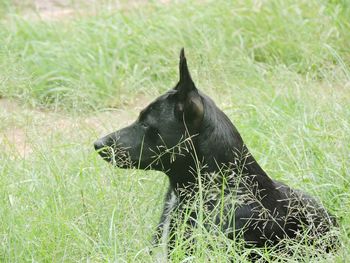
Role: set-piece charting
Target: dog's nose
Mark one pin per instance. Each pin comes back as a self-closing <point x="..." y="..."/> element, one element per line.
<point x="98" y="144"/>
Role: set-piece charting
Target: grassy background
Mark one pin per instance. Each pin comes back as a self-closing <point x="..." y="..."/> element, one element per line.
<point x="279" y="69"/>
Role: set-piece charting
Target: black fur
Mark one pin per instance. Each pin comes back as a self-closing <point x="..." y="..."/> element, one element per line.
<point x="185" y="135"/>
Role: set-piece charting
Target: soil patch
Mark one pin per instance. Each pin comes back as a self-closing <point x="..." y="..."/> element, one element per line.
<point x="22" y="124"/>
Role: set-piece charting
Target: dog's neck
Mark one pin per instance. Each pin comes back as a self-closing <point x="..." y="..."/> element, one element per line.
<point x="233" y="153"/>
<point x="217" y="130"/>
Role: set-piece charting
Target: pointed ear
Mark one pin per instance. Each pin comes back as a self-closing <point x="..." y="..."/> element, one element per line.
<point x="189" y="103"/>
<point x="185" y="83"/>
<point x="185" y="76"/>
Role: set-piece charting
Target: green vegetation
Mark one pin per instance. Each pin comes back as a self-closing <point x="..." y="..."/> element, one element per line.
<point x="279" y="69"/>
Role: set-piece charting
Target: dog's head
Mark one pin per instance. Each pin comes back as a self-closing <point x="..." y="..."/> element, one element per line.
<point x="163" y="132"/>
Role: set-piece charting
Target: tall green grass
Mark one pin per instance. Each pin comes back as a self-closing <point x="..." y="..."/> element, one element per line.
<point x="279" y="69"/>
<point x="101" y="60"/>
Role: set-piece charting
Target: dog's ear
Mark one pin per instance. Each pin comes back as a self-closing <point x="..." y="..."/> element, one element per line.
<point x="185" y="76"/>
<point x="189" y="103"/>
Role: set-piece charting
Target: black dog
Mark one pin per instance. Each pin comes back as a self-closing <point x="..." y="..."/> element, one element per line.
<point x="185" y="135"/>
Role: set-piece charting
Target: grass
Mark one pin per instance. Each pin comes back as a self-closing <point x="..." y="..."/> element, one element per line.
<point x="279" y="69"/>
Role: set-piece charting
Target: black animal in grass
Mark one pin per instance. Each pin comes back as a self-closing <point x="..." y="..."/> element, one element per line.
<point x="185" y="135"/>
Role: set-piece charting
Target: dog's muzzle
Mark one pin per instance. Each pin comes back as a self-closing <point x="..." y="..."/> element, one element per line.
<point x="98" y="144"/>
<point x="114" y="154"/>
<point x="102" y="149"/>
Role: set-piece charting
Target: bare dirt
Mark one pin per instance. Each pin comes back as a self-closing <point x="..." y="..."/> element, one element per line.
<point x="64" y="9"/>
<point x="21" y="125"/>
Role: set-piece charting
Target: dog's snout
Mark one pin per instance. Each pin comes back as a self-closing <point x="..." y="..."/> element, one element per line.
<point x="98" y="144"/>
<point x="102" y="149"/>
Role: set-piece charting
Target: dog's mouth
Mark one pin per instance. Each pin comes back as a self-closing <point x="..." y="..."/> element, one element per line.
<point x="117" y="156"/>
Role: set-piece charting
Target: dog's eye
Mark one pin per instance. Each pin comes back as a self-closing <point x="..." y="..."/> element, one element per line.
<point x="144" y="125"/>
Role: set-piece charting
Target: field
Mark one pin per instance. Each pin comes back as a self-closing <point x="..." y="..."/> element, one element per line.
<point x="73" y="72"/>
